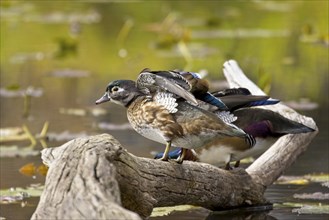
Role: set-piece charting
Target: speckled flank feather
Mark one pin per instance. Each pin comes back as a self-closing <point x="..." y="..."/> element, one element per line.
<point x="153" y="120"/>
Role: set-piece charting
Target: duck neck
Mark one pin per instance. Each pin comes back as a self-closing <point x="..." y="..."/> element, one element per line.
<point x="130" y="98"/>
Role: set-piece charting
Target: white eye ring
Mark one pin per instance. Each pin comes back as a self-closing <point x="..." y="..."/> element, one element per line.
<point x="115" y="89"/>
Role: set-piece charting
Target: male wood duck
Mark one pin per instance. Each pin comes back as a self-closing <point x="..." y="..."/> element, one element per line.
<point x="264" y="125"/>
<point x="156" y="110"/>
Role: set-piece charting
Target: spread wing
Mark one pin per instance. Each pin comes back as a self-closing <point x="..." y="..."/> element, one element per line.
<point x="167" y="81"/>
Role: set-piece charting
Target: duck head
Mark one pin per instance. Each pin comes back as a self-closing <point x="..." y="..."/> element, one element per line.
<point x="121" y="92"/>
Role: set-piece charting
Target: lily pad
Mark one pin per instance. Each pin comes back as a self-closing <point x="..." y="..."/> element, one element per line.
<point x="65" y="135"/>
<point x="31" y="91"/>
<point x="163" y="211"/>
<point x="70" y="73"/>
<point x="109" y="126"/>
<point x="73" y="111"/>
<point x="325" y="184"/>
<point x="304" y="180"/>
<point x="312" y="209"/>
<point x="316" y="195"/>
<point x="10" y="131"/>
<point x="302" y="104"/>
<point x="14" y="151"/>
<point x="31" y="170"/>
<point x="292" y="180"/>
<point x="303" y="208"/>
<point x="16" y="195"/>
<point x="318" y="178"/>
<point x="97" y="112"/>
<point x="28" y="169"/>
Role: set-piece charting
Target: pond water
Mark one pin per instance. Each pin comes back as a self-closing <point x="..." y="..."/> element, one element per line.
<point x="57" y="58"/>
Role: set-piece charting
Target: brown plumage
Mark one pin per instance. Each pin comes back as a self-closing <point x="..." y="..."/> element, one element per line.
<point x="159" y="117"/>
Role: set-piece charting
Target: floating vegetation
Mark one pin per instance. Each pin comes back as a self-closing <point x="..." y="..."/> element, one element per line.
<point x="70" y="73"/>
<point x="325" y="184"/>
<point x="240" y="33"/>
<point x="10" y="10"/>
<point x="318" y="178"/>
<point x="20" y="58"/>
<point x="14" y="91"/>
<point x="305" y="208"/>
<point x="303" y="180"/>
<point x="23" y="12"/>
<point x="65" y="136"/>
<point x="274" y="6"/>
<point x="316" y="196"/>
<point x="73" y="111"/>
<point x="83" y="112"/>
<point x="163" y="211"/>
<point x="31" y="170"/>
<point x="56" y="17"/>
<point x="98" y="111"/>
<point x="17" y="195"/>
<point x="302" y="104"/>
<point x="16" y="151"/>
<point x="109" y="126"/>
<point x="312" y="209"/>
<point x="186" y="50"/>
<point x="22" y="134"/>
<point x="310" y="35"/>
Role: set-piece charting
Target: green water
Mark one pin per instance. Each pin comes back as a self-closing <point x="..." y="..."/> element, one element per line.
<point x="70" y="50"/>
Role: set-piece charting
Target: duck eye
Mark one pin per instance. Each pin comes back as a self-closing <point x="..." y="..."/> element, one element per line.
<point x="115" y="89"/>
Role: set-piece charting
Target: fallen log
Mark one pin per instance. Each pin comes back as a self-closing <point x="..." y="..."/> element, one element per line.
<point x="96" y="178"/>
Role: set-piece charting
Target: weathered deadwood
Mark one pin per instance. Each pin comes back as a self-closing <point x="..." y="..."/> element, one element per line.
<point x="90" y="178"/>
<point x="81" y="182"/>
<point x="84" y="175"/>
<point x="269" y="166"/>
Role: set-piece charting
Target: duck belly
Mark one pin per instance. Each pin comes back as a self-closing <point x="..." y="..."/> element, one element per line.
<point x="262" y="145"/>
<point x="152" y="134"/>
<point x="216" y="155"/>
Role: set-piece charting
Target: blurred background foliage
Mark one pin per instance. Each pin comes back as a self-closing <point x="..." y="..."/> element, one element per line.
<point x="279" y="44"/>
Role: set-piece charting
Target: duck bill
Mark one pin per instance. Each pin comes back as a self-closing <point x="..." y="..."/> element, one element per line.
<point x="103" y="99"/>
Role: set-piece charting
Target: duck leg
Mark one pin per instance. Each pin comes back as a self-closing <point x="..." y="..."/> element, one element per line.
<point x="166" y="152"/>
<point x="228" y="166"/>
<point x="181" y="157"/>
<point x="237" y="164"/>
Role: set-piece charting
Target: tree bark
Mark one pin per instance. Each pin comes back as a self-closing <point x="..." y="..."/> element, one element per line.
<point x="96" y="178"/>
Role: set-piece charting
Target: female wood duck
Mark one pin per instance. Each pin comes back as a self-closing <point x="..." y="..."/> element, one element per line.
<point x="156" y="111"/>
